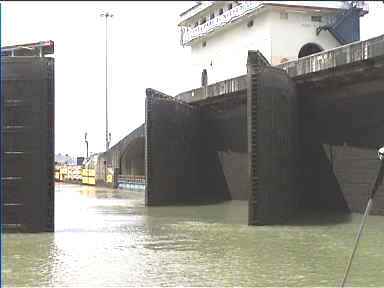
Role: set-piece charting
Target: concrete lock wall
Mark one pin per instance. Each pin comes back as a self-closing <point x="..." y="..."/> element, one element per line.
<point x="320" y="188"/>
<point x="345" y="128"/>
<point x="356" y="169"/>
<point x="226" y="132"/>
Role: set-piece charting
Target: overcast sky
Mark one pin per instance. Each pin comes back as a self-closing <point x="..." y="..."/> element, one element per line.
<point x="144" y="52"/>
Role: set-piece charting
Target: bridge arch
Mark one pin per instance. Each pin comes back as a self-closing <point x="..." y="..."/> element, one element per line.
<point x="131" y="160"/>
<point x="309" y="49"/>
<point x="125" y="158"/>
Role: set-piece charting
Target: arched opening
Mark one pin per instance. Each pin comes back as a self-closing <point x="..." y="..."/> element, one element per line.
<point x="309" y="49"/>
<point x="132" y="165"/>
<point x="132" y="158"/>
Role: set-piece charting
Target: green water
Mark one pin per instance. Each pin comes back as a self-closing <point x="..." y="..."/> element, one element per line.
<point x="109" y="238"/>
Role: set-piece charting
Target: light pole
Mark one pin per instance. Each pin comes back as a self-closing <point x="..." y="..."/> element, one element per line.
<point x="106" y="15"/>
<point x="86" y="142"/>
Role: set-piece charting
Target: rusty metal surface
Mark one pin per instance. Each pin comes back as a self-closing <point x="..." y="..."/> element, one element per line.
<point x="194" y="154"/>
<point x="172" y="151"/>
<point x="272" y="147"/>
<point x="28" y="143"/>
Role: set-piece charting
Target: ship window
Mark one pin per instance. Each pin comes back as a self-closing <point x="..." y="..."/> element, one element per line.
<point x="229" y="6"/>
<point x="250" y="24"/>
<point x="204" y="44"/>
<point x="283" y="15"/>
<point x="221" y="11"/>
<point x="202" y="21"/>
<point x="196" y="24"/>
<point x="212" y="15"/>
<point x="316" y="18"/>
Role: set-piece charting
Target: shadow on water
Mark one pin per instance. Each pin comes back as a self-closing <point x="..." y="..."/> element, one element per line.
<point x="319" y="218"/>
<point x="227" y="212"/>
<point x="236" y="212"/>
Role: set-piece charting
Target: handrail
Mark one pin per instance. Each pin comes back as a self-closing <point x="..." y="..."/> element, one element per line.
<point x="342" y="55"/>
<point x="131" y="178"/>
<point x="231" y="85"/>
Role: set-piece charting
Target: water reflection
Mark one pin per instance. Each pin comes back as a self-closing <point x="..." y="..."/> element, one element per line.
<point x="109" y="238"/>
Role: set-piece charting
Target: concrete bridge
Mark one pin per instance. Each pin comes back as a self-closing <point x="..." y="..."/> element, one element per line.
<point x="126" y="157"/>
<point x="301" y="135"/>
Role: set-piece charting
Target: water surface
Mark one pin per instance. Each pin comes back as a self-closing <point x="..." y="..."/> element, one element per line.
<point x="108" y="237"/>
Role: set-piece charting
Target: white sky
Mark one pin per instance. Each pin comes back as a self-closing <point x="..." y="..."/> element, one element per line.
<point x="144" y="52"/>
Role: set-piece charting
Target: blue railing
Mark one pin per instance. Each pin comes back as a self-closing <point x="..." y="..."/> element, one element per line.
<point x="131" y="182"/>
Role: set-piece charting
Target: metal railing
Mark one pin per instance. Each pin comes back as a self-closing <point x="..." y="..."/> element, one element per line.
<point x="353" y="52"/>
<point x="131" y="182"/>
<point x="31" y="49"/>
<point x="228" y="86"/>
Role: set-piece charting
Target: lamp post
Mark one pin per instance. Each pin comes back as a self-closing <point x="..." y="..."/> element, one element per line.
<point x="106" y="15"/>
<point x="86" y="142"/>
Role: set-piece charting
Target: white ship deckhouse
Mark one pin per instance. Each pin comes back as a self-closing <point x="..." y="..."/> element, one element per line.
<point x="219" y="33"/>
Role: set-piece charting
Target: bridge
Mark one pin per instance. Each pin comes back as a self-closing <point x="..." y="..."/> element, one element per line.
<point x="298" y="136"/>
<point x="126" y="158"/>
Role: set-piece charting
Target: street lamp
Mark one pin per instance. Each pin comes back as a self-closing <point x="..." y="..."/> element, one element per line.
<point x="107" y="135"/>
<point x="86" y="142"/>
